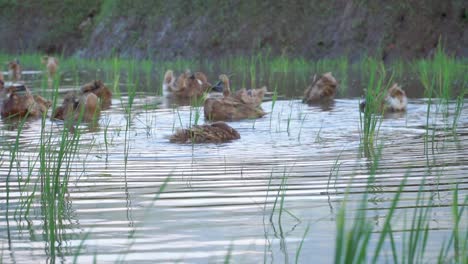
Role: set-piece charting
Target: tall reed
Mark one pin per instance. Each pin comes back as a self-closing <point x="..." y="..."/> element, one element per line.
<point x="54" y="171"/>
<point x="371" y="119"/>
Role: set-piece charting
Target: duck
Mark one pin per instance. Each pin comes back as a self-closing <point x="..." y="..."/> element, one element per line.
<point x="98" y="88"/>
<point x="78" y="106"/>
<point x="242" y="105"/>
<point x="216" y="132"/>
<point x="322" y="90"/>
<point x="394" y="101"/>
<point x="2" y="82"/>
<point x="187" y="85"/>
<point x="20" y="102"/>
<point x="14" y="69"/>
<point x="51" y="65"/>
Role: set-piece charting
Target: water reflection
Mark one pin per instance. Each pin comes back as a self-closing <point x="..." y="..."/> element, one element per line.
<point x="324" y="106"/>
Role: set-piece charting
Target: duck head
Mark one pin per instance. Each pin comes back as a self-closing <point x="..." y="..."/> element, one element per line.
<point x="218" y="87"/>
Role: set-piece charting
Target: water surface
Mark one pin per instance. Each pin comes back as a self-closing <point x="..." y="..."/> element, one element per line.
<point x="223" y="198"/>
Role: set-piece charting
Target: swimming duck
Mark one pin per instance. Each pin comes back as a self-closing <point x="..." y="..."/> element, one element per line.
<point x="51" y="65"/>
<point x="216" y="132"/>
<point x="244" y="104"/>
<point x="101" y="91"/>
<point x="2" y="82"/>
<point x="321" y="90"/>
<point x="394" y="101"/>
<point x="14" y="68"/>
<point x="84" y="107"/>
<point x="187" y="85"/>
<point x="20" y="102"/>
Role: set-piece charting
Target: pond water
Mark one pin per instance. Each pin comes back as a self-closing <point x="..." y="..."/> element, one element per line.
<point x="134" y="197"/>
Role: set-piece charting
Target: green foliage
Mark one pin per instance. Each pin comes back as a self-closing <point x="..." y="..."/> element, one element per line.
<point x="371" y="119"/>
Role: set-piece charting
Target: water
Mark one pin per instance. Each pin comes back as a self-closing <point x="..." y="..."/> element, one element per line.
<point x="224" y="199"/>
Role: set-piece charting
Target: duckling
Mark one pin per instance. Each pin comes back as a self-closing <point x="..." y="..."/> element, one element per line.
<point x="240" y="106"/>
<point x="394" y="101"/>
<point x="84" y="107"/>
<point x="14" y="68"/>
<point x="52" y="66"/>
<point x="321" y="90"/>
<point x="187" y="85"/>
<point x="101" y="91"/>
<point x="20" y="102"/>
<point x="216" y="132"/>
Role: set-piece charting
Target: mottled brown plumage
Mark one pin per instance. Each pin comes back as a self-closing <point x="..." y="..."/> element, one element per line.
<point x="187" y="85"/>
<point x="101" y="91"/>
<point x="244" y="104"/>
<point x="252" y="96"/>
<point x="321" y="90"/>
<point x="20" y="102"/>
<point x="84" y="107"/>
<point x="217" y="132"/>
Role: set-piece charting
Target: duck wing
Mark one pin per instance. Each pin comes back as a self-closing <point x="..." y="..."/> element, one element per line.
<point x="252" y="97"/>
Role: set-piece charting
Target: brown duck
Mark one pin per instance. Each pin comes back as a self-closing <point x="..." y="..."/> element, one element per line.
<point x="14" y="69"/>
<point x="19" y="102"/>
<point x="84" y="107"/>
<point x="2" y="82"/>
<point x="51" y="64"/>
<point x="98" y="88"/>
<point x="321" y="90"/>
<point x="242" y="105"/>
<point x="394" y="101"/>
<point x="216" y="132"/>
<point x="187" y="85"/>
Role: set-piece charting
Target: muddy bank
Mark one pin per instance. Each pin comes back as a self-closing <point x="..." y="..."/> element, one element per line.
<point x="213" y="29"/>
